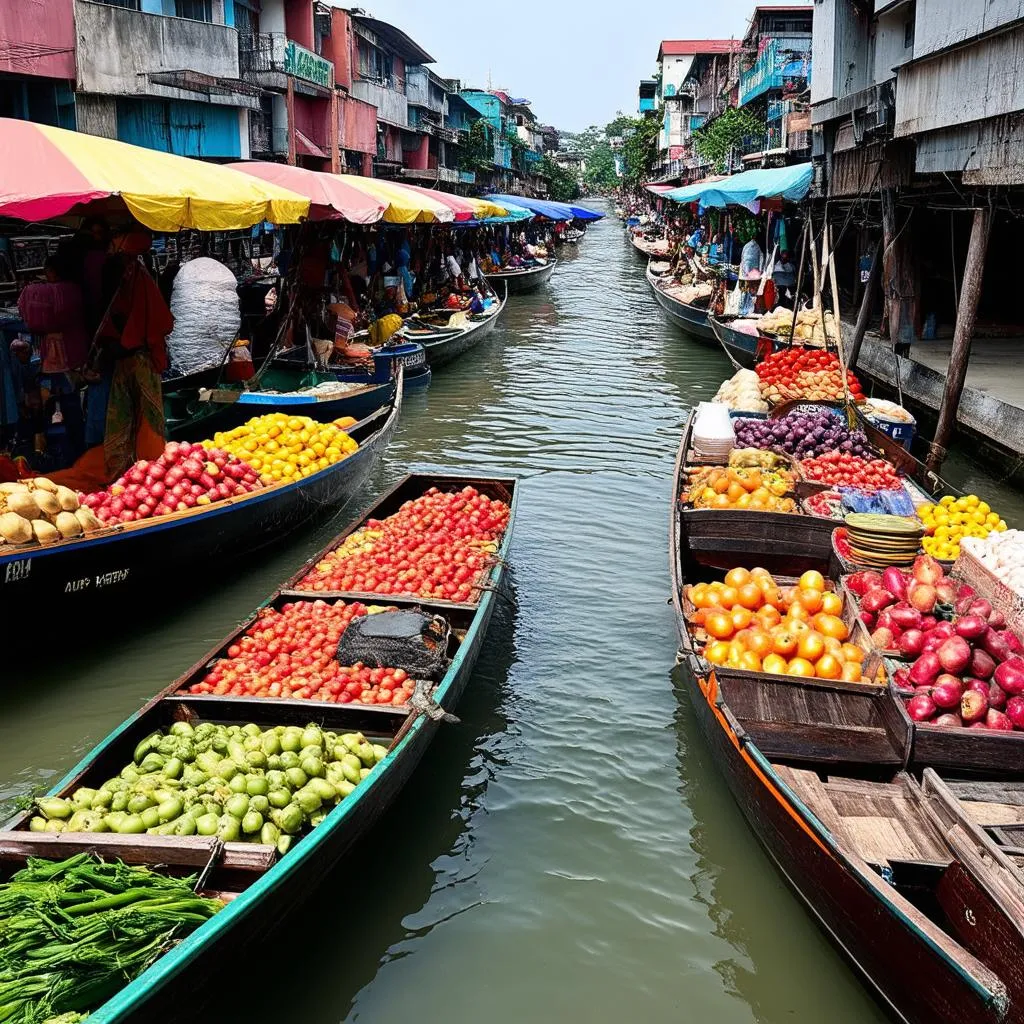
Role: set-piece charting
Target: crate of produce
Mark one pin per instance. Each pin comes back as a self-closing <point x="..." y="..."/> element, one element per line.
<point x="893" y="420"/>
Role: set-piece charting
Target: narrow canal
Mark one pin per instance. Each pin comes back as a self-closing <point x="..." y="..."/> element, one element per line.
<point x="568" y="851"/>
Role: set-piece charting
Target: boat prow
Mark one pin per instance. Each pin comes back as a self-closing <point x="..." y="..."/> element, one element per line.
<point x="692" y="319"/>
<point x="524" y="279"/>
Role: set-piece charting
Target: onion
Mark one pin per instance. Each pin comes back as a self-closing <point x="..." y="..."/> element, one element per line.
<point x="948" y="720"/>
<point x="970" y="627"/>
<point x="997" y="721"/>
<point x="925" y="669"/>
<point x="981" y="664"/>
<point x="911" y="642"/>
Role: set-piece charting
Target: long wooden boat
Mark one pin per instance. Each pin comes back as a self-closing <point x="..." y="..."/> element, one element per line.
<point x="155" y="555"/>
<point x="443" y="345"/>
<point x="524" y="279"/>
<point x="692" y="319"/>
<point x="916" y="878"/>
<point x="260" y="888"/>
<point x="657" y="249"/>
<point x="744" y="350"/>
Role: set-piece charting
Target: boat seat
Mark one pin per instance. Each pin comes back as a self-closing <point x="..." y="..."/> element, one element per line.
<point x="880" y="822"/>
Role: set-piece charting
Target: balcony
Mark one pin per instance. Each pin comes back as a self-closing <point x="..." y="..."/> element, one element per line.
<point x="431" y="174"/>
<point x="781" y="59"/>
<point x="386" y="94"/>
<point x="269" y="58"/>
<point x="433" y="126"/>
<point x="123" y="52"/>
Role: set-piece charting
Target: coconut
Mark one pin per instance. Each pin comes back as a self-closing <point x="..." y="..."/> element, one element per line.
<point x="23" y="504"/>
<point x="68" y="499"/>
<point x="48" y="503"/>
<point x="68" y="525"/>
<point x="88" y="520"/>
<point x="44" y="532"/>
<point x="42" y="484"/>
<point x="14" y="529"/>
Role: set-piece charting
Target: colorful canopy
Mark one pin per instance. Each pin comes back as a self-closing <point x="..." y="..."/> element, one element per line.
<point x="405" y="205"/>
<point x="48" y="172"/>
<point x="329" y="195"/>
<point x="749" y="187"/>
<point x="540" y="207"/>
<point x="465" y="208"/>
<point x="584" y="213"/>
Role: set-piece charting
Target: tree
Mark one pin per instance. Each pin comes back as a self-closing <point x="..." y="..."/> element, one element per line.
<point x="640" y="150"/>
<point x="562" y="184"/>
<point x="601" y="171"/>
<point x="477" y="153"/>
<point x="716" y="140"/>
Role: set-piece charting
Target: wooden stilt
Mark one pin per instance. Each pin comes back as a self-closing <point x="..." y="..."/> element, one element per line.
<point x="898" y="273"/>
<point x="867" y="299"/>
<point x="966" y="316"/>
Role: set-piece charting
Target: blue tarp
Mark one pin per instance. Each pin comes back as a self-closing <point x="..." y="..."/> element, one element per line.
<point x="515" y="214"/>
<point x="548" y="208"/>
<point x="748" y="187"/>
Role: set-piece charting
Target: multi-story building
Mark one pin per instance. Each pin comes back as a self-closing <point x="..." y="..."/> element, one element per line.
<point x="774" y="84"/>
<point x="681" y="63"/>
<point x="647" y="97"/>
<point x="435" y="159"/>
<point x="37" y="62"/>
<point x="493" y="111"/>
<point x="164" y="74"/>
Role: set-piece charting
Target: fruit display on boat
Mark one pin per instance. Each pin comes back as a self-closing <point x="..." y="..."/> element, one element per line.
<point x="237" y="782"/>
<point x="800" y="373"/>
<point x="1002" y="554"/>
<point x="742" y="392"/>
<point x="840" y="468"/>
<point x="948" y="521"/>
<point x="38" y="511"/>
<point x="749" y="621"/>
<point x="439" y="545"/>
<point x="802" y="435"/>
<point x="282" y="447"/>
<point x="185" y="476"/>
<point x="290" y="653"/>
<point x="741" y="487"/>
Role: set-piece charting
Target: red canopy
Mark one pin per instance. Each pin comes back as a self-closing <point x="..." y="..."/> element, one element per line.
<point x="330" y="196"/>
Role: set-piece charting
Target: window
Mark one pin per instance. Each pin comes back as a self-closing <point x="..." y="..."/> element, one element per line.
<point x="908" y="33"/>
<point x="128" y="5"/>
<point x="196" y="10"/>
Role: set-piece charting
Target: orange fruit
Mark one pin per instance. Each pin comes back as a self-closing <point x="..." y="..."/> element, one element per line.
<point x="729" y="597"/>
<point x="736" y="491"/>
<point x="720" y="485"/>
<point x="783" y="641"/>
<point x="762" y="576"/>
<point x="831" y="603"/>
<point x="750" y="595"/>
<point x="798" y="613"/>
<point x="775" y="664"/>
<point x="811" y="599"/>
<point x="831" y="625"/>
<point x="721" y="501"/>
<point x="800" y="667"/>
<point x="851" y="652"/>
<point x="759" y="641"/>
<point x="741" y="617"/>
<point x="750" y="661"/>
<point x="828" y="666"/>
<point x="737" y="577"/>
<point x="700" y="597"/>
<point x="811" y="645"/>
<point x="768" y="615"/>
<point x="852" y="672"/>
<point x="719" y="625"/>
<point x="716" y="652"/>
<point x="789" y="595"/>
<point x="834" y="646"/>
<point x="812" y="580"/>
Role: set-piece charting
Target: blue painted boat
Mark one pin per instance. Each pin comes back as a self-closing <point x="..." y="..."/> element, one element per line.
<point x="258" y="886"/>
<point x="692" y="319"/>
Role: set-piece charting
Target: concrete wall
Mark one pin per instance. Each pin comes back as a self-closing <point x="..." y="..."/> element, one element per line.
<point x="891" y="49"/>
<point x="118" y="47"/>
<point x="967" y="84"/>
<point x="272" y="16"/>
<point x="357" y="125"/>
<point x="337" y="47"/>
<point x="942" y="23"/>
<point x="37" y="38"/>
<point x="840" y="51"/>
<point x="96" y="115"/>
<point x="674" y="71"/>
<point x="392" y="106"/>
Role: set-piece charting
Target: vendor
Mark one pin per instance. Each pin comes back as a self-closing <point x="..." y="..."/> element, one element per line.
<point x="784" y="277"/>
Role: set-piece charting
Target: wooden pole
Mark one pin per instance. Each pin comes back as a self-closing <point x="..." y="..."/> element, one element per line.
<point x="838" y="324"/>
<point x="800" y="275"/>
<point x="966" y="317"/>
<point x="867" y="298"/>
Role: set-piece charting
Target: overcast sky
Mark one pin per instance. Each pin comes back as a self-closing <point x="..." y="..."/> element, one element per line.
<point x="579" y="61"/>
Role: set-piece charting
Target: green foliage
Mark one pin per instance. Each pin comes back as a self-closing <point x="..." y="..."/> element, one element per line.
<point x="562" y="184"/>
<point x="716" y="140"/>
<point x="477" y="153"/>
<point x="640" y="150"/>
<point x="600" y="171"/>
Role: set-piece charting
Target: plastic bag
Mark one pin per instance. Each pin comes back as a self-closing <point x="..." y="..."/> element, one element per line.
<point x="206" y="316"/>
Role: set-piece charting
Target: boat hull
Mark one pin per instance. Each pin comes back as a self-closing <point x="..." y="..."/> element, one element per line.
<point x="691" y="319"/>
<point x="890" y="954"/>
<point x="520" y="281"/>
<point x="165" y="555"/>
<point x="448" y="348"/>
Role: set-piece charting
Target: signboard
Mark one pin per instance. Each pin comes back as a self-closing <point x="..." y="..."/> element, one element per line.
<point x="676" y="152"/>
<point x="305" y="64"/>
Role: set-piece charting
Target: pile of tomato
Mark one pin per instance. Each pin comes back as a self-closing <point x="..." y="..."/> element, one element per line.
<point x="843" y="469"/>
<point x="813" y="374"/>
<point x="755" y="624"/>
<point x="436" y="546"/>
<point x="291" y="653"/>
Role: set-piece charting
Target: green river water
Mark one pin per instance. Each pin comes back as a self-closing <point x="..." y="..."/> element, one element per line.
<point x="569" y="851"/>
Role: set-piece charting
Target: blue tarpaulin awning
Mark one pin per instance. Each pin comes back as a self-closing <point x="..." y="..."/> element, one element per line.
<point x="747" y="187"/>
<point x="547" y="208"/>
<point x="515" y="214"/>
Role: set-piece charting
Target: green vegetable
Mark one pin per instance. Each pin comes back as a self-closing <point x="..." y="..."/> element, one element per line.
<point x="54" y="807"/>
<point x="207" y="825"/>
<point x="237" y="805"/>
<point x="288" y="819"/>
<point x="379" y="752"/>
<point x="252" y="823"/>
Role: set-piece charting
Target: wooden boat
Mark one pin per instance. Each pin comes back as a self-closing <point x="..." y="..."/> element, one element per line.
<point x="915" y="876"/>
<point x="283" y="388"/>
<point x="259" y="887"/>
<point x="157" y="554"/>
<point x="744" y="350"/>
<point x="692" y="319"/>
<point x="649" y="249"/>
<point x="444" y="344"/>
<point x="524" y="279"/>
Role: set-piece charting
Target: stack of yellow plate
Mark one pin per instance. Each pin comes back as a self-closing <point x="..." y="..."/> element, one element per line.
<point x="879" y="541"/>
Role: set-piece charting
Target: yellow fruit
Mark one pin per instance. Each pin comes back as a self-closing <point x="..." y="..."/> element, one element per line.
<point x="1000" y="526"/>
<point x="984" y="508"/>
<point x="947" y="499"/>
<point x="972" y="500"/>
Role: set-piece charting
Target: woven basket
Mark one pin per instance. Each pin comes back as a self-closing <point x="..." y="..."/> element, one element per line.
<point x="993" y="589"/>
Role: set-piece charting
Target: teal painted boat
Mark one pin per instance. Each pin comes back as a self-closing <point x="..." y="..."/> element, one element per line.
<point x="259" y="887"/>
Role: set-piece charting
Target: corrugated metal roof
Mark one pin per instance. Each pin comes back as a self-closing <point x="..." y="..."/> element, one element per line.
<point x="687" y="47"/>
